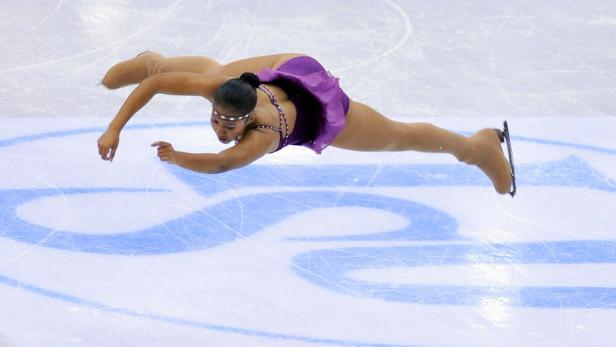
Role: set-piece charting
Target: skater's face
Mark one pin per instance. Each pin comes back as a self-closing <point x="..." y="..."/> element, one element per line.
<point x="227" y="130"/>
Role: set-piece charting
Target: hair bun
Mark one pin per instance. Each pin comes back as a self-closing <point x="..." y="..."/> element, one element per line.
<point x="251" y="79"/>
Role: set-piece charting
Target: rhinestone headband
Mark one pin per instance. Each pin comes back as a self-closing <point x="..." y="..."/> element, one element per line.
<point x="230" y="118"/>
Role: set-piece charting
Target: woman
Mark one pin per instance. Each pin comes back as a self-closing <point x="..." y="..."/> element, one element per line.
<point x="280" y="100"/>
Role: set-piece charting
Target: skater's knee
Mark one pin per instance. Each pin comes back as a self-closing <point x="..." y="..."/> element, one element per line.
<point x="155" y="65"/>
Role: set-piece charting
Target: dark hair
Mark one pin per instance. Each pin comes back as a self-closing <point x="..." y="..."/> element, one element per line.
<point x="238" y="94"/>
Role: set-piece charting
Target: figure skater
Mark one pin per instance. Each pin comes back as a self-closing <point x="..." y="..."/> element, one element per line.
<point x="263" y="104"/>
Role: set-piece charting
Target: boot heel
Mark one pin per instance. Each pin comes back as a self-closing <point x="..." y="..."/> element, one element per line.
<point x="500" y="134"/>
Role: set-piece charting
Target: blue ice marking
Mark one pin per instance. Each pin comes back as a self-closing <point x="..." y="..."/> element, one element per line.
<point x="197" y="230"/>
<point x="215" y="225"/>
<point x="329" y="268"/>
<point x="183" y="322"/>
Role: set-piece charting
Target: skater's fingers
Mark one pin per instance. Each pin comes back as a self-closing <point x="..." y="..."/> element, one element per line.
<point x="164" y="156"/>
<point x="103" y="151"/>
<point x="160" y="144"/>
<point x="100" y="148"/>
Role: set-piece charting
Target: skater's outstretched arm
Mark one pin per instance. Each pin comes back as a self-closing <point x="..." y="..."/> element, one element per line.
<point x="176" y="83"/>
<point x="253" y="146"/>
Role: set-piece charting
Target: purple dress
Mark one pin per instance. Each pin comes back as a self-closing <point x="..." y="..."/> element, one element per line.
<point x="320" y="103"/>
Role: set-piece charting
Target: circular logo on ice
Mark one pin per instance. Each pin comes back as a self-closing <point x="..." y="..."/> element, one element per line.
<point x="288" y="191"/>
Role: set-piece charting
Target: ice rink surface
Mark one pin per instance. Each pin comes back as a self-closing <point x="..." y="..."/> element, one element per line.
<point x="298" y="249"/>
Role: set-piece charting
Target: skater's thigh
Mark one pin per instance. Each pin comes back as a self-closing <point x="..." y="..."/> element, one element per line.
<point x="366" y="129"/>
<point x="256" y="64"/>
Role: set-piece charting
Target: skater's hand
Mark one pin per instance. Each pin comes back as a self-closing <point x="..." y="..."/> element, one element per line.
<point x="166" y="152"/>
<point x="108" y="143"/>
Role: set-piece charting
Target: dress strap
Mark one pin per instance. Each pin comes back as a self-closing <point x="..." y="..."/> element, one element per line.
<point x="264" y="126"/>
<point x="281" y="117"/>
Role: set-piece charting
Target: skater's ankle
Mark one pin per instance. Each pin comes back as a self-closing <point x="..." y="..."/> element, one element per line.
<point x="467" y="154"/>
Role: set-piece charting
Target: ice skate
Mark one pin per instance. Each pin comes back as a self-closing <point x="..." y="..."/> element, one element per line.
<point x="131" y="71"/>
<point x="489" y="157"/>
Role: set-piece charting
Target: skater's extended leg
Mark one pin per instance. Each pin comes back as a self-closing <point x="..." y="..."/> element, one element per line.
<point x="147" y="64"/>
<point x="368" y="130"/>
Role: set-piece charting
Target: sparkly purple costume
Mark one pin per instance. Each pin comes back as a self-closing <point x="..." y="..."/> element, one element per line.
<point x="320" y="103"/>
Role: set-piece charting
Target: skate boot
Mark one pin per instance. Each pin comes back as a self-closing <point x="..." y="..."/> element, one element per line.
<point x="132" y="71"/>
<point x="488" y="155"/>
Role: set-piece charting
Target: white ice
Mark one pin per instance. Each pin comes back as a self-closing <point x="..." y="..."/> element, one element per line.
<point x="343" y="248"/>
